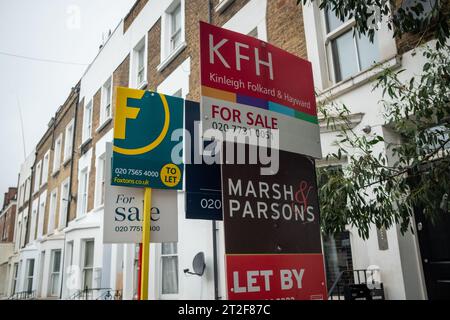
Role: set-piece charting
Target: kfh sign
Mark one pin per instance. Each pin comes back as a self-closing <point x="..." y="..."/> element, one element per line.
<point x="253" y="89"/>
<point x="143" y="125"/>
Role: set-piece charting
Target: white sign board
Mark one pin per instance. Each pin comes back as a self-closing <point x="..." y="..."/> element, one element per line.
<point x="246" y="124"/>
<point x="123" y="212"/>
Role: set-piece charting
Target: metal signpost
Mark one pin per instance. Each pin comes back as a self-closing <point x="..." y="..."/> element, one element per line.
<point x="143" y="124"/>
<point x="251" y="90"/>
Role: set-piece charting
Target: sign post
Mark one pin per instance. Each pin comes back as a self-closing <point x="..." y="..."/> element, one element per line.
<point x="142" y="154"/>
<point x="255" y="95"/>
<point x="146" y="243"/>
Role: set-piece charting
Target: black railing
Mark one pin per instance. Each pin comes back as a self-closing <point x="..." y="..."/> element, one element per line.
<point x="97" y="294"/>
<point x="24" y="295"/>
<point x="353" y="284"/>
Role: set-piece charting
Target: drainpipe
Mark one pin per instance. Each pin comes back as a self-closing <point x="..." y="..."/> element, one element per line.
<point x="214" y="226"/>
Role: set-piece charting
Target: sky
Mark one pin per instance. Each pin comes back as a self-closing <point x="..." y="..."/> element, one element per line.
<point x="67" y="31"/>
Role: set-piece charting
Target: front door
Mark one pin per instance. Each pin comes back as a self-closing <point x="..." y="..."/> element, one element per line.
<point x="434" y="241"/>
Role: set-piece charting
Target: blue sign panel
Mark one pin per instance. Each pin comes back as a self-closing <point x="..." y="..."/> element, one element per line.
<point x="203" y="181"/>
<point x="144" y="122"/>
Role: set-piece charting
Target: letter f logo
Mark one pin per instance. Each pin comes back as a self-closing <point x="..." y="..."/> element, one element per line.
<point x="123" y="112"/>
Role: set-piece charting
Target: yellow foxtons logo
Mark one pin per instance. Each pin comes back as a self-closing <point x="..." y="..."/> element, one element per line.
<point x="125" y="112"/>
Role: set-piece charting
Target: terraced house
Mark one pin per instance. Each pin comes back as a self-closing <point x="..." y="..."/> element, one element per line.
<point x="61" y="254"/>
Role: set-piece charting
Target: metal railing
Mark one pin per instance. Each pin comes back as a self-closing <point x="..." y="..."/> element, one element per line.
<point x="348" y="278"/>
<point x="24" y="295"/>
<point x="97" y="294"/>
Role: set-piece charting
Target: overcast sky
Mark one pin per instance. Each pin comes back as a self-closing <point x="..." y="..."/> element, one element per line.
<point x="69" y="31"/>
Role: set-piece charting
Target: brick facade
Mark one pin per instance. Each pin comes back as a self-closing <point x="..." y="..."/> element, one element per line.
<point x="57" y="128"/>
<point x="8" y="216"/>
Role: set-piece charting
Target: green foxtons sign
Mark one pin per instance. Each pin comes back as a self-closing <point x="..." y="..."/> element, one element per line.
<point x="143" y="125"/>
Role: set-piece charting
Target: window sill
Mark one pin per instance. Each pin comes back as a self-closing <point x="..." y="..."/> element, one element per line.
<point x="55" y="173"/>
<point x="99" y="208"/>
<point x="358" y="79"/>
<point x="222" y="5"/>
<point x="103" y="125"/>
<point x="66" y="161"/>
<point x="142" y="86"/>
<point x="85" y="143"/>
<point x="171" y="57"/>
<point x="353" y="121"/>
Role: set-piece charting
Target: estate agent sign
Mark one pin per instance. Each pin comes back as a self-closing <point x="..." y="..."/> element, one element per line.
<point x="123" y="212"/>
<point x="250" y="88"/>
<point x="143" y="124"/>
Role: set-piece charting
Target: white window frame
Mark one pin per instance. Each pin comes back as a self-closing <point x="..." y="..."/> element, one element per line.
<point x="27" y="189"/>
<point x="41" y="214"/>
<point x="168" y="296"/>
<point x="57" y="154"/>
<point x="87" y="121"/>
<point x="34" y="216"/>
<point x="37" y="177"/>
<point x="28" y="287"/>
<point x="82" y="198"/>
<point x="83" y="263"/>
<point x="100" y="181"/>
<point x="52" y="211"/>
<point x="169" y="53"/>
<point x="104" y="116"/>
<point x="54" y="274"/>
<point x="134" y="70"/>
<point x="64" y="203"/>
<point x="45" y="167"/>
<point x="15" y="278"/>
<point x="68" y="141"/>
<point x="320" y="55"/>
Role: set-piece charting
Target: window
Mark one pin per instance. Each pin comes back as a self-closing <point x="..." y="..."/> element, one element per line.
<point x="82" y="193"/>
<point x="41" y="214"/>
<point x="57" y="154"/>
<point x="169" y="261"/>
<point x="348" y="55"/>
<point x="55" y="273"/>
<point x="23" y="231"/>
<point x="139" y="76"/>
<point x="100" y="189"/>
<point x="338" y="256"/>
<point x="88" y="264"/>
<point x="87" y="122"/>
<point x="175" y="27"/>
<point x="172" y="33"/>
<point x="45" y="168"/>
<point x="64" y="203"/>
<point x="52" y="211"/>
<point x="30" y="276"/>
<point x="105" y="113"/>
<point x="15" y="277"/>
<point x="34" y="214"/>
<point x="27" y="189"/>
<point x="37" y="177"/>
<point x="68" y="141"/>
<point x="253" y="33"/>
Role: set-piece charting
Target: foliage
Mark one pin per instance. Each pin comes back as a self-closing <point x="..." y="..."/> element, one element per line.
<point x="408" y="15"/>
<point x="373" y="189"/>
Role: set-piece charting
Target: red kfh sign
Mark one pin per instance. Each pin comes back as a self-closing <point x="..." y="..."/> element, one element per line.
<point x="276" y="277"/>
<point x="250" y="87"/>
<point x="250" y="67"/>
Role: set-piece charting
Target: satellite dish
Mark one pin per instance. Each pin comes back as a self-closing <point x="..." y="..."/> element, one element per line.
<point x="198" y="264"/>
